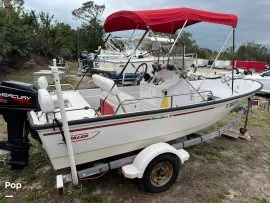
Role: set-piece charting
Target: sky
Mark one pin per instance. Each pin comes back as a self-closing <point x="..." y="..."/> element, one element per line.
<point x="253" y="25"/>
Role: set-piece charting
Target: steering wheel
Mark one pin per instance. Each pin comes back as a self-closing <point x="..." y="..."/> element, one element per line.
<point x="140" y="72"/>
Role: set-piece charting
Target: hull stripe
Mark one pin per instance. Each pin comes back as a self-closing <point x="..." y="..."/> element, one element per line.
<point x="123" y="123"/>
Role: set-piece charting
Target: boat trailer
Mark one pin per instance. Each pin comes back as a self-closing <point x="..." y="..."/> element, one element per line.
<point x="126" y="162"/>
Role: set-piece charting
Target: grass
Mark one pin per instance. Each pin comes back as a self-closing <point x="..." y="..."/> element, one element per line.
<point x="20" y="75"/>
<point x="3" y="198"/>
<point x="213" y="200"/>
<point x="262" y="200"/>
<point x="259" y="118"/>
<point x="26" y="75"/>
<point x="219" y="196"/>
<point x="83" y="193"/>
<point x="94" y="199"/>
<point x="5" y="171"/>
<point x="267" y="151"/>
<point x="34" y="195"/>
<point x="216" y="153"/>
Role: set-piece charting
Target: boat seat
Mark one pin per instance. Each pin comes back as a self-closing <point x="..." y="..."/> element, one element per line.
<point x="44" y="97"/>
<point x="45" y="101"/>
<point x="111" y="97"/>
<point x="75" y="105"/>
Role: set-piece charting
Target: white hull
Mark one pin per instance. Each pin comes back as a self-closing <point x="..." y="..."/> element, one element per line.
<point x="116" y="66"/>
<point x="135" y="117"/>
<point x="114" y="137"/>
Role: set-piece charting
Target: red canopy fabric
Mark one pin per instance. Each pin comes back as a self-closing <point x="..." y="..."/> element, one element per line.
<point x="164" y="20"/>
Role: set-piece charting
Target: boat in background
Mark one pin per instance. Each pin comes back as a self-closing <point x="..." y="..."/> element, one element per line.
<point x="263" y="78"/>
<point x="110" y="61"/>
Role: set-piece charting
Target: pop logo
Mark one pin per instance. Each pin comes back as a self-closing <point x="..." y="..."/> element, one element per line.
<point x="16" y="186"/>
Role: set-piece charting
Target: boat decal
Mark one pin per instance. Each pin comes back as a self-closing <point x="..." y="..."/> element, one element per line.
<point x="161" y="117"/>
<point x="82" y="137"/>
<point x="4" y="97"/>
<point x="128" y="122"/>
<point x="14" y="96"/>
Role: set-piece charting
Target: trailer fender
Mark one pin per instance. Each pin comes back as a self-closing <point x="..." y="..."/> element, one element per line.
<point x="137" y="168"/>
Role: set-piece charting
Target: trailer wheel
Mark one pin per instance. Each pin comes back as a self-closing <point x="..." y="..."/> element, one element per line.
<point x="161" y="173"/>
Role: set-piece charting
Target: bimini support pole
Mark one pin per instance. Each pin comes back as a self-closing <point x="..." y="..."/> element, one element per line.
<point x="123" y="70"/>
<point x="216" y="57"/>
<point x="178" y="36"/>
<point x="95" y="58"/>
<point x="65" y="125"/>
<point x="233" y="59"/>
<point x="130" y="56"/>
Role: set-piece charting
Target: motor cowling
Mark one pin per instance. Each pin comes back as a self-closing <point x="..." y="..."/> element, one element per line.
<point x="16" y="99"/>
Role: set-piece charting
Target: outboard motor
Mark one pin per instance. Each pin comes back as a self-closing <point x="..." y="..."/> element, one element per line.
<point x="16" y="99"/>
<point x="88" y="61"/>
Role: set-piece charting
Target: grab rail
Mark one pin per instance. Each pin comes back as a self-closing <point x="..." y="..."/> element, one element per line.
<point x="168" y="96"/>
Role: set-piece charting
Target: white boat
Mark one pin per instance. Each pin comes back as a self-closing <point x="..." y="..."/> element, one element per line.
<point x="263" y="78"/>
<point x="132" y="118"/>
<point x="109" y="120"/>
<point x="111" y="62"/>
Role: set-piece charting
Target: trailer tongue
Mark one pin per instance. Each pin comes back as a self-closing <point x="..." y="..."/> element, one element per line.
<point x="16" y="98"/>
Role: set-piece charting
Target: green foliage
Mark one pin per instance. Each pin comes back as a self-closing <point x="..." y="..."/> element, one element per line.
<point x="89" y="12"/>
<point x="90" y="36"/>
<point x="53" y="38"/>
<point x="15" y="37"/>
<point x="250" y="51"/>
<point x="190" y="43"/>
<point x="253" y="51"/>
<point x="91" y="32"/>
<point x="24" y="34"/>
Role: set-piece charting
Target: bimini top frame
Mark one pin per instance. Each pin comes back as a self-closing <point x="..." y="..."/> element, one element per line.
<point x="168" y="21"/>
<point x="164" y="21"/>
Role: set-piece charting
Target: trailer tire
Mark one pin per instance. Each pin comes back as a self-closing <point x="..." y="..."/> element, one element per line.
<point x="161" y="173"/>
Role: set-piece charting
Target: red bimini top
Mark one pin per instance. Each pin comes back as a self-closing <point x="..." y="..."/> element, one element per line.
<point x="164" y="20"/>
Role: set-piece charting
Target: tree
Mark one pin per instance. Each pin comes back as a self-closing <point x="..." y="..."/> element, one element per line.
<point x="15" y="37"/>
<point x="253" y="51"/>
<point x="89" y="12"/>
<point x="205" y="53"/>
<point x="13" y="4"/>
<point x="187" y="40"/>
<point x="91" y="31"/>
<point x="24" y="34"/>
<point x="54" y="38"/>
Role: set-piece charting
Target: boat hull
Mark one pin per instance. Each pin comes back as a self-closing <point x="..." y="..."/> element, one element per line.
<point x="98" y="140"/>
<point x="117" y="65"/>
